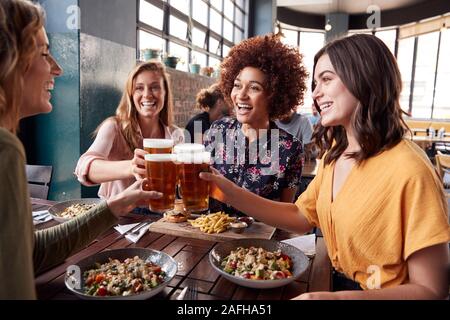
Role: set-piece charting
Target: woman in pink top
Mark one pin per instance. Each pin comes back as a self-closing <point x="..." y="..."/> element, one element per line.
<point x="116" y="158"/>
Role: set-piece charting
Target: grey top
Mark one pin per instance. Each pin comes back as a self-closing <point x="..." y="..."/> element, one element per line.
<point x="299" y="126"/>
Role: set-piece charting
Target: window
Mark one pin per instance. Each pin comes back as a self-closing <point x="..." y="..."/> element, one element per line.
<point x="388" y="37"/>
<point x="198" y="37"/>
<point x="229" y="9"/>
<point x="310" y="43"/>
<point x="424" y="75"/>
<point x="178" y="28"/>
<point x="424" y="70"/>
<point x="405" y="57"/>
<point x="215" y="21"/>
<point x="150" y="41"/>
<point x="181" y="5"/>
<point x="441" y="108"/>
<point x="200" y="12"/>
<point x="290" y="37"/>
<point x="180" y="52"/>
<point x="151" y="15"/>
<point x="203" y="30"/>
<point x="228" y="30"/>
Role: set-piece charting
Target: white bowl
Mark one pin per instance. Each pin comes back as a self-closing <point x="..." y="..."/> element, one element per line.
<point x="166" y="262"/>
<point x="223" y="249"/>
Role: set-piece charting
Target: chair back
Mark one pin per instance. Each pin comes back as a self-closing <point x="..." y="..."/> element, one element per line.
<point x="39" y="178"/>
<point x="442" y="163"/>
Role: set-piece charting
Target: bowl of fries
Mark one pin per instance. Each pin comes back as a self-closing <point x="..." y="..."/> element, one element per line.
<point x="213" y="223"/>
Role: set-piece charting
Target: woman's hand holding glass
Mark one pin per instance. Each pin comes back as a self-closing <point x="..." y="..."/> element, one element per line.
<point x="138" y="164"/>
<point x="220" y="187"/>
<point x="131" y="197"/>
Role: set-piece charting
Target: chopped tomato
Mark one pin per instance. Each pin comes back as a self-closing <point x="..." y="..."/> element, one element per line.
<point x="155" y="269"/>
<point x="279" y="275"/>
<point x="285" y="257"/>
<point x="102" y="291"/>
<point x="99" y="278"/>
<point x="287" y="273"/>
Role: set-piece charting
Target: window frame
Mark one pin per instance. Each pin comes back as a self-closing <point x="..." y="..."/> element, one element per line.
<point x="167" y="37"/>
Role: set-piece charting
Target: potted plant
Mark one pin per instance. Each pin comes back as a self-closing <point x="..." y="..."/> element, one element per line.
<point x="151" y="53"/>
<point x="194" y="68"/>
<point x="171" y="61"/>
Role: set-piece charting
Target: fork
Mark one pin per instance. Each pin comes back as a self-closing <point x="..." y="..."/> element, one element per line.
<point x="192" y="292"/>
<point x="136" y="230"/>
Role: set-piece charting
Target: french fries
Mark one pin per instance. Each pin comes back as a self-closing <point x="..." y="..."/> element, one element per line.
<point x="212" y="223"/>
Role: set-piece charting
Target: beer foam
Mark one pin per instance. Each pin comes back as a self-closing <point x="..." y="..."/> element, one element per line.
<point x="188" y="148"/>
<point x="164" y="157"/>
<point x="196" y="158"/>
<point x="158" y="143"/>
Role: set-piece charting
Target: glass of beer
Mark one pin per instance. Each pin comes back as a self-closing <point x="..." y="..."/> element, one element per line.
<point x="162" y="176"/>
<point x="158" y="145"/>
<point x="191" y="160"/>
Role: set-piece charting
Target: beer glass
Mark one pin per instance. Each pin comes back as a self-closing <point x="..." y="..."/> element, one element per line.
<point x="191" y="160"/>
<point x="162" y="176"/>
<point x="158" y="145"/>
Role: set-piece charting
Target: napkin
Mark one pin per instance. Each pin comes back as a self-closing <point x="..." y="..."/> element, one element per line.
<point x="305" y="243"/>
<point x="135" y="237"/>
<point x="124" y="228"/>
<point x="41" y="217"/>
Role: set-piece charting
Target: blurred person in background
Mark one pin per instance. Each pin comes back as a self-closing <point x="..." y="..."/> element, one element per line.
<point x="214" y="107"/>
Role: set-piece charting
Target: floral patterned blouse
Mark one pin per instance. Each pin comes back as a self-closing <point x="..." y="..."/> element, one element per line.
<point x="265" y="167"/>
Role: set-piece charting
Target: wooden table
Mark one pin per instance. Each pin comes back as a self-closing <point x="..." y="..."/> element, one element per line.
<point x="193" y="265"/>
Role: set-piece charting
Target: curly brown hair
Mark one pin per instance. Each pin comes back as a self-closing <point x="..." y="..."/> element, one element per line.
<point x="283" y="66"/>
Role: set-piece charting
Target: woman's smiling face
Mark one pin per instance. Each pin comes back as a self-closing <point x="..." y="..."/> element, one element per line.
<point x="39" y="79"/>
<point x="249" y="97"/>
<point x="149" y="94"/>
<point x="335" y="101"/>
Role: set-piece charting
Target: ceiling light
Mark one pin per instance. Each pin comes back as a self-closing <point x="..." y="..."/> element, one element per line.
<point x="328" y="26"/>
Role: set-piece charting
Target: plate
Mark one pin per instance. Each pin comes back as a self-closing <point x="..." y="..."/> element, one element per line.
<point x="75" y="272"/>
<point x="299" y="259"/>
<point x="56" y="210"/>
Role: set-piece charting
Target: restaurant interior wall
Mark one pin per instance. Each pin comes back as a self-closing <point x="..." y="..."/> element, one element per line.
<point x="96" y="50"/>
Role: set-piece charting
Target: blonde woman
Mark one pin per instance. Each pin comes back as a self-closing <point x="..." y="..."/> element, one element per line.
<point x="27" y="75"/>
<point x="115" y="159"/>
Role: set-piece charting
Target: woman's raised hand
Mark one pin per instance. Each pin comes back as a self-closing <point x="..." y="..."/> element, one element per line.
<point x="138" y="164"/>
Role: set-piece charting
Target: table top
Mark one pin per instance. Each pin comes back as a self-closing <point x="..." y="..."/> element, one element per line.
<point x="193" y="266"/>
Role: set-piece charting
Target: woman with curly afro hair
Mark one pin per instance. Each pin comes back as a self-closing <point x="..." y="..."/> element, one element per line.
<point x="263" y="80"/>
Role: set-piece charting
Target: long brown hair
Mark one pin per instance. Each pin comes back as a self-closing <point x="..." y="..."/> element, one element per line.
<point x="370" y="72"/>
<point x="126" y="113"/>
<point x="20" y="22"/>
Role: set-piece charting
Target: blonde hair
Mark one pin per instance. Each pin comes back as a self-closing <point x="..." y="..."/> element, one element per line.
<point x="20" y="21"/>
<point x="207" y="98"/>
<point x="126" y="113"/>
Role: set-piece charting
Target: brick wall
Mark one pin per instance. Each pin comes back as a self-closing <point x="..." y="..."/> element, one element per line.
<point x="185" y="88"/>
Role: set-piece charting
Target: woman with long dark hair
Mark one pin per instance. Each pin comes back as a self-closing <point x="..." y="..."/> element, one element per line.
<point x="376" y="198"/>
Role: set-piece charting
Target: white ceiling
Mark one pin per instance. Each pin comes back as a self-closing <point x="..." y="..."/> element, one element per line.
<point x="347" y="6"/>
